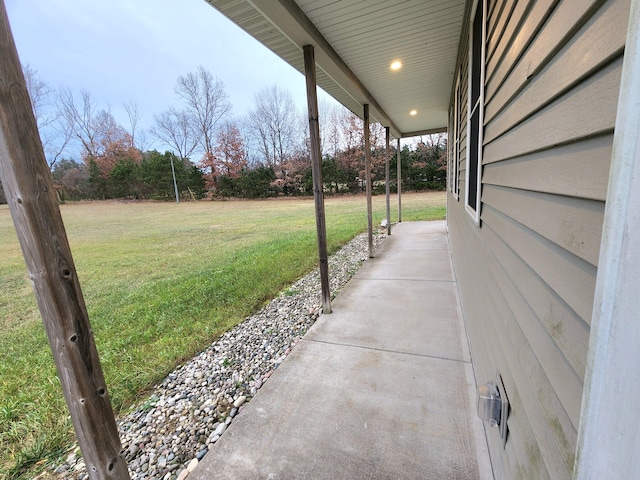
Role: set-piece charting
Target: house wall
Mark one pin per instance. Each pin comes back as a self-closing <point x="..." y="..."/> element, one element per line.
<point x="527" y="273"/>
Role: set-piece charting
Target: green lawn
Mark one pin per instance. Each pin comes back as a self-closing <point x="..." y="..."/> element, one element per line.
<point x="160" y="281"/>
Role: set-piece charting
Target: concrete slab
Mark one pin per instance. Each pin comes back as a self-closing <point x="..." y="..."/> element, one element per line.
<point x="407" y="264"/>
<point x="382" y="388"/>
<point x="416" y="237"/>
<point x="406" y="316"/>
<point x="400" y="258"/>
<point x="350" y="413"/>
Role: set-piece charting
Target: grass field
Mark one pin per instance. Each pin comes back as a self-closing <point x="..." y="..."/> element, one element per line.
<point x="160" y="281"/>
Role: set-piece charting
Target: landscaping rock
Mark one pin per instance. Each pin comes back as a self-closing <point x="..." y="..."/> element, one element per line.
<point x="194" y="405"/>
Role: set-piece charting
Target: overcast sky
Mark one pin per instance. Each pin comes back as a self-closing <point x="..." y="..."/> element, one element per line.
<point x="134" y="50"/>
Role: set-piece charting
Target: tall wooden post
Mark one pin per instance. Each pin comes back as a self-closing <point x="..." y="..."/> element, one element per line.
<point x="367" y="167"/>
<point x="387" y="176"/>
<point x="32" y="201"/>
<point x="399" y="182"/>
<point x="316" y="173"/>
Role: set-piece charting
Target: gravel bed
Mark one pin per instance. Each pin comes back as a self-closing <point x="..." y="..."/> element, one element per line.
<point x="171" y="431"/>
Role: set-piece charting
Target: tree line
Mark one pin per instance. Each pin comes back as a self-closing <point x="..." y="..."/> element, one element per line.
<point x="208" y="152"/>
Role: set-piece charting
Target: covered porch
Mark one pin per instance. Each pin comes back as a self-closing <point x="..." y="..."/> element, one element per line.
<point x="381" y="388"/>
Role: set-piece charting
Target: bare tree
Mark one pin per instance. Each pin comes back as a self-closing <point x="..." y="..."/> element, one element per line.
<point x="330" y="132"/>
<point x="437" y="140"/>
<point x="177" y="130"/>
<point x="206" y="102"/>
<point x="134" y="117"/>
<point x="96" y="130"/>
<point x="275" y="125"/>
<point x="53" y="135"/>
<point x="253" y="153"/>
<point x="138" y="137"/>
<point x="39" y="94"/>
<point x="80" y="120"/>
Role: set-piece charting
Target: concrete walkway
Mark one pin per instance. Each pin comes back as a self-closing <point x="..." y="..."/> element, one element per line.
<point x="380" y="389"/>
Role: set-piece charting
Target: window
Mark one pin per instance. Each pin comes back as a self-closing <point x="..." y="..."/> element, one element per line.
<point x="475" y="112"/>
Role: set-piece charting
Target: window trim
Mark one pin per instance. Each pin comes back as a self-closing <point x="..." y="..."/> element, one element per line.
<point x="454" y="185"/>
<point x="479" y="104"/>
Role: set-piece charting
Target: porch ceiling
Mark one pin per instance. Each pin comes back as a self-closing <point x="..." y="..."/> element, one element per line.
<point x="355" y="43"/>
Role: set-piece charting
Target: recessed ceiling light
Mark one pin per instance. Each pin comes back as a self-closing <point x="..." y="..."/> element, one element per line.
<point x="396" y="65"/>
<point x="413" y="112"/>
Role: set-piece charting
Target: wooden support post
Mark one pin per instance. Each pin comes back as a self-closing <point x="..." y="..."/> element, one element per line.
<point x="316" y="173"/>
<point x="367" y="168"/>
<point x="387" y="180"/>
<point x="399" y="182"/>
<point x="32" y="201"/>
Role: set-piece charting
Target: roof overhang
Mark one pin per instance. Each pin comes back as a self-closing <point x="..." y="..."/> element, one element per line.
<point x="355" y="43"/>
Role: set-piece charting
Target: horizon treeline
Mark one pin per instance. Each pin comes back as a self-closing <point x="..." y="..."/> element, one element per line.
<point x="208" y="152"/>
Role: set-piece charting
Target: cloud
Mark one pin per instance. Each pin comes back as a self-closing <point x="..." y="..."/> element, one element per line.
<point x="133" y="51"/>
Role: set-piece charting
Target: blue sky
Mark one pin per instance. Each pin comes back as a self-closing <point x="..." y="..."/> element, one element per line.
<point x="134" y="50"/>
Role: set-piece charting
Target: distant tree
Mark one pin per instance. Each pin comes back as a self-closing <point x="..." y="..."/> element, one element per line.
<point x="256" y="183"/>
<point x="331" y="174"/>
<point x="351" y="159"/>
<point x="176" y="128"/>
<point x="206" y="104"/>
<point x="116" y="145"/>
<point x="97" y="182"/>
<point x="155" y="173"/>
<point x="430" y="162"/>
<point x="230" y="150"/>
<point x="101" y="138"/>
<point x="80" y="120"/>
<point x="134" y="118"/>
<point x="39" y="93"/>
<point x="228" y="187"/>
<point x="292" y="174"/>
<point x="275" y="126"/>
<point x="53" y="133"/>
<point x="423" y="164"/>
<point x="330" y="133"/>
<point x="71" y="179"/>
<point x="138" y="136"/>
<point x="195" y="181"/>
<point x="229" y="157"/>
<point x="124" y="179"/>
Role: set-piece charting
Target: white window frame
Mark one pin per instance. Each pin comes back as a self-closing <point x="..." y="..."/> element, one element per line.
<point x="455" y="156"/>
<point x="475" y="213"/>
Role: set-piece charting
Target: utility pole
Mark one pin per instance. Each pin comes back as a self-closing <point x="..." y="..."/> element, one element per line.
<point x="175" y="183"/>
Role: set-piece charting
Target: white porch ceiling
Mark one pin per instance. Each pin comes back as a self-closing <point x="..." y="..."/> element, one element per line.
<point x="355" y="42"/>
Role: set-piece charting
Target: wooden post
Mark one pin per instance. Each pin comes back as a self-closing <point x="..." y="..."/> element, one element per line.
<point x="316" y="173"/>
<point x="367" y="168"/>
<point x="32" y="201"/>
<point x="387" y="175"/>
<point x="399" y="182"/>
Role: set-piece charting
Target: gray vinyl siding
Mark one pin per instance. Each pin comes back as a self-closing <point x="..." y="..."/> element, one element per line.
<point x="527" y="274"/>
